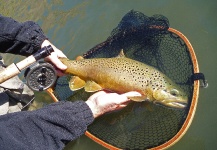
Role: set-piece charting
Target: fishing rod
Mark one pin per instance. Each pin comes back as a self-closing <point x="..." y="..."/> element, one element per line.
<point x="39" y="75"/>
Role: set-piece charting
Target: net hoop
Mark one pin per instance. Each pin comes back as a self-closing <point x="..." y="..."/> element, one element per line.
<point x="193" y="107"/>
<point x="191" y="112"/>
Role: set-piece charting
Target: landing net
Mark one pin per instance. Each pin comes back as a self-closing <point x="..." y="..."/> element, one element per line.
<point x="140" y="126"/>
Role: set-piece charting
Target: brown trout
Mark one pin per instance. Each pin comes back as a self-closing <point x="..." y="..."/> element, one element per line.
<point x="121" y="74"/>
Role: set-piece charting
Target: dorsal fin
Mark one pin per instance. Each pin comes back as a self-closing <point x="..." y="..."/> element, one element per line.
<point x="121" y="54"/>
<point x="79" y="58"/>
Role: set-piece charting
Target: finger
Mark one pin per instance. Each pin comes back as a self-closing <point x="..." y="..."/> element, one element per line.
<point x="123" y="97"/>
<point x="59" y="64"/>
<point x="132" y="93"/>
<point x="60" y="54"/>
<point x="126" y="103"/>
<point x="97" y="94"/>
<point x="53" y="58"/>
<point x="120" y="107"/>
<point x="59" y="73"/>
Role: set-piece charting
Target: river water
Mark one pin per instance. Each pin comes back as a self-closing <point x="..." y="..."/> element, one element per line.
<point x="78" y="25"/>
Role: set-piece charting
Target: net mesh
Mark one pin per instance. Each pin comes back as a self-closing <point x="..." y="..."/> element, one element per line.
<point x="140" y="125"/>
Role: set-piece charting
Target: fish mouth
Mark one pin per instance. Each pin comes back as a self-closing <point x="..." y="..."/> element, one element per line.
<point x="174" y="103"/>
<point x="180" y="105"/>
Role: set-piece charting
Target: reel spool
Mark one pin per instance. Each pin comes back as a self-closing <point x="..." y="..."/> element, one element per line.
<point x="40" y="76"/>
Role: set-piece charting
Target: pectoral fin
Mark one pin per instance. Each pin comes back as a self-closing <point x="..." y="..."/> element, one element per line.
<point x="76" y="83"/>
<point x="92" y="86"/>
<point x="138" y="98"/>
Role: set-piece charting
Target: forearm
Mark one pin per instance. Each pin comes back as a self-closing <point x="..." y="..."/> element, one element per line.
<point x="20" y="38"/>
<point x="48" y="128"/>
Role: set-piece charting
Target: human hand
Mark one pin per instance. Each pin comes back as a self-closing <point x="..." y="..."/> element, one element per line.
<point x="102" y="102"/>
<point x="53" y="58"/>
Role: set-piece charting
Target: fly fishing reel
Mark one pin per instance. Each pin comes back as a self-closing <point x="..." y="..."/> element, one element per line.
<point x="40" y="76"/>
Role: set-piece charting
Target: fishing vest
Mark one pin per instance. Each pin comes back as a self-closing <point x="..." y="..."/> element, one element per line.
<point x="14" y="94"/>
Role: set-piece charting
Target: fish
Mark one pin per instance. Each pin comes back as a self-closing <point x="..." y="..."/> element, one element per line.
<point x="121" y="74"/>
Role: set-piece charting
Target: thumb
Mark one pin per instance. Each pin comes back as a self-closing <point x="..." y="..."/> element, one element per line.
<point x="59" y="64"/>
<point x="132" y="93"/>
<point x="124" y="97"/>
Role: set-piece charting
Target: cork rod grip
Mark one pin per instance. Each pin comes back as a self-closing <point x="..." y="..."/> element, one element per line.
<point x="14" y="69"/>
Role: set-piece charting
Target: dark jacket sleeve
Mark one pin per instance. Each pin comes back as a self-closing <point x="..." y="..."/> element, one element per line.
<point x="20" y="38"/>
<point x="49" y="128"/>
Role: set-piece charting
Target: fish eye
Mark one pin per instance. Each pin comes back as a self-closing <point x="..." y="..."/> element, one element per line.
<point x="174" y="92"/>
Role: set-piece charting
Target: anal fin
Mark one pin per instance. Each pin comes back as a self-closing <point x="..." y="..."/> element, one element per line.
<point x="92" y="86"/>
<point x="76" y="83"/>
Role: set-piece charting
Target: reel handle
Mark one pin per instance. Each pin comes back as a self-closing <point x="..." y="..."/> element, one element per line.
<point x="14" y="69"/>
